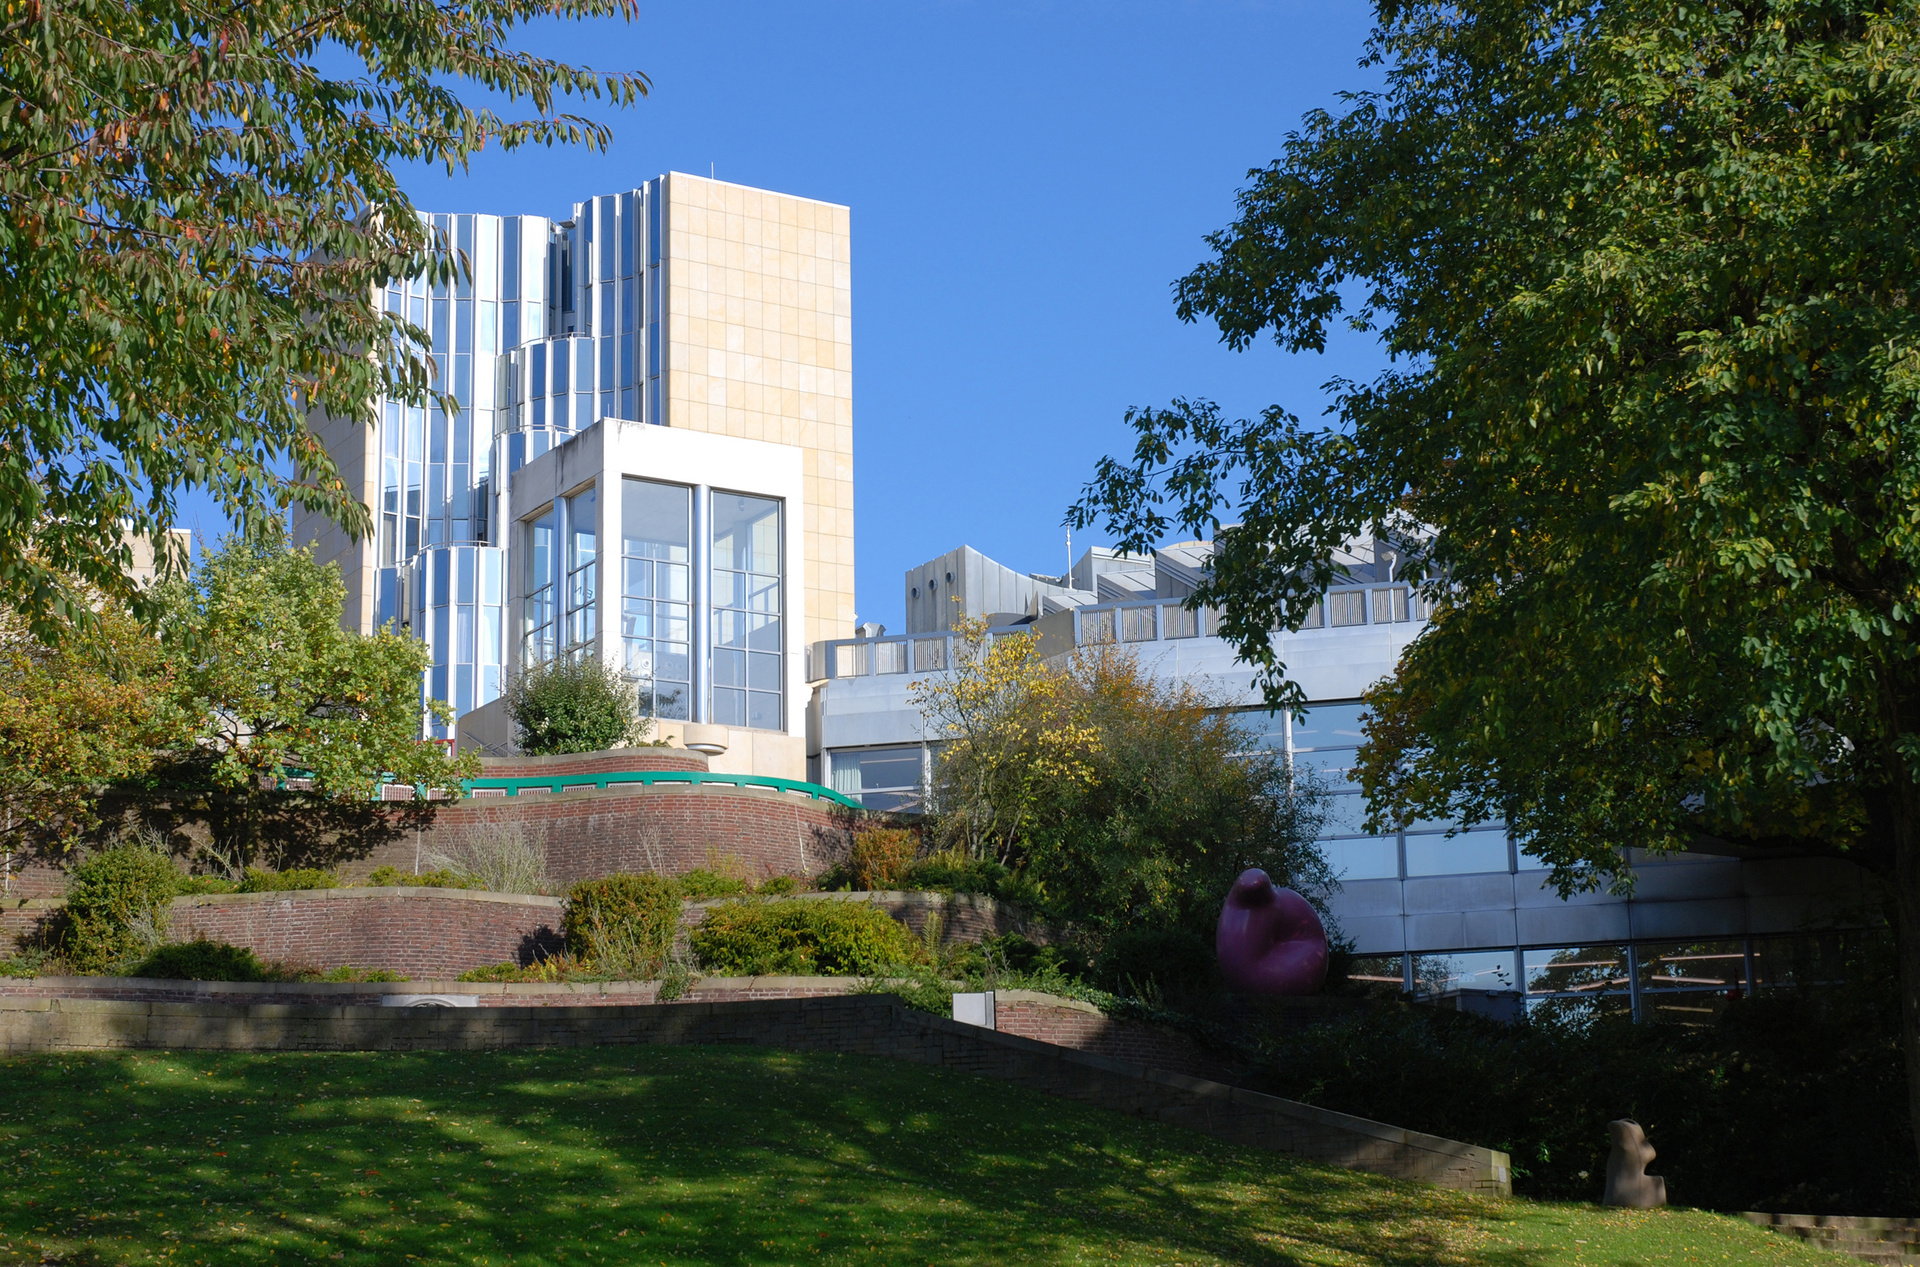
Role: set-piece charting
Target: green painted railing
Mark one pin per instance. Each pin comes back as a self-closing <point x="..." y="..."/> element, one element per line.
<point x="567" y="782"/>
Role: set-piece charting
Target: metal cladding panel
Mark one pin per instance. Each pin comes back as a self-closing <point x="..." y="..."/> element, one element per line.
<point x="1566" y="925"/>
<point x="1485" y="892"/>
<point x="1496" y="929"/>
<point x="1376" y="935"/>
<point x="1718" y="917"/>
<point x="1707" y="878"/>
<point x="1530" y="889"/>
<point x="1442" y="931"/>
<point x="1365" y="899"/>
<point x="1794" y="876"/>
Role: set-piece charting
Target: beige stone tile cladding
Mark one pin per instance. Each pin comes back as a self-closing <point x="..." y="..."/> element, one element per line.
<point x="760" y="345"/>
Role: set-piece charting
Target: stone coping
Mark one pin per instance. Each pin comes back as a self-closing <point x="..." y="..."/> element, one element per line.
<point x="742" y="985"/>
<point x="1045" y="1000"/>
<point x="370" y="890"/>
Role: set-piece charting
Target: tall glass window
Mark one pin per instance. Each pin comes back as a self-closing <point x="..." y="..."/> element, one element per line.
<point x="542" y="599"/>
<point x="656" y="547"/>
<point x="747" y="609"/>
<point x="580" y="570"/>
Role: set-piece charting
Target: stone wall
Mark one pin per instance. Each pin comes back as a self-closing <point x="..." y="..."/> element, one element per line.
<point x="418" y="932"/>
<point x="874" y="1025"/>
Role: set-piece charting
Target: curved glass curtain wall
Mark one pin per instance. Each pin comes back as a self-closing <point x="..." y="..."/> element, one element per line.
<point x="436" y="468"/>
<point x="457" y="598"/>
<point x="547" y="328"/>
<point x="600" y="353"/>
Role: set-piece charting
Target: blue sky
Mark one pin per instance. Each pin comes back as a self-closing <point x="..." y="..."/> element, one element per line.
<point x="1026" y="179"/>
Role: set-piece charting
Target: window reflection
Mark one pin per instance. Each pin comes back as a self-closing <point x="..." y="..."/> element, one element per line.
<point x="656" y="543"/>
<point x="747" y="611"/>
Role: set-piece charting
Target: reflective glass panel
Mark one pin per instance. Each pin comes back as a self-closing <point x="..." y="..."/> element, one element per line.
<point x="656" y="532"/>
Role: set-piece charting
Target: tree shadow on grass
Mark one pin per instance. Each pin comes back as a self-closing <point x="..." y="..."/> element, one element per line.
<point x="657" y="1154"/>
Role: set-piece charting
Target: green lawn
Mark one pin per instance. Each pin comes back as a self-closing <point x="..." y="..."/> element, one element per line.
<point x="705" y="1155"/>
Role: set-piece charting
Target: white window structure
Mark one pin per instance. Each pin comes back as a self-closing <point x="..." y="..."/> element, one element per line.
<point x="656" y="631"/>
<point x="881" y="778"/>
<point x="540" y="594"/>
<point x="746" y="607"/>
<point x="582" y="571"/>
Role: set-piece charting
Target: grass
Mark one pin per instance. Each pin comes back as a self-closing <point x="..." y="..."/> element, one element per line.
<point x="690" y="1155"/>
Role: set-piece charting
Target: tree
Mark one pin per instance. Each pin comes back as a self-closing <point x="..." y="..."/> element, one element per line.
<point x="1647" y="275"/>
<point x="76" y="717"/>
<point x="196" y="209"/>
<point x="279" y="691"/>
<point x="1133" y="802"/>
<point x="1014" y="740"/>
<point x="574" y="704"/>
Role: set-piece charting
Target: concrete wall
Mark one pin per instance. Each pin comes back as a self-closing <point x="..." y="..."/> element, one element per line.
<point x="872" y="1025"/>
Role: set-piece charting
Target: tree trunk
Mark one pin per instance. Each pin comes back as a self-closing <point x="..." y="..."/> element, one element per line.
<point x="1906" y="940"/>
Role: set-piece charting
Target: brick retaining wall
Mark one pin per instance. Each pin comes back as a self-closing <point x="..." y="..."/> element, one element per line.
<point x="425" y="932"/>
<point x="668" y="828"/>
<point x="874" y="1025"/>
<point x="1062" y="1022"/>
<point x="420" y="932"/>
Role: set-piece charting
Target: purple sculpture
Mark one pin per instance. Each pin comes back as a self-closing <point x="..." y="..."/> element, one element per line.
<point x="1270" y="940"/>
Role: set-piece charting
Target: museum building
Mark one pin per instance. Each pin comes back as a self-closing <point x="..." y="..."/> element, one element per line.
<point x="651" y="462"/>
<point x="1438" y="908"/>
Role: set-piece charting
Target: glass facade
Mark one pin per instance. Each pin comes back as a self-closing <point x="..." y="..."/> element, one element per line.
<point x="880" y="778"/>
<point x="458" y="601"/>
<point x="596" y="352"/>
<point x="546" y="328"/>
<point x="541" y="607"/>
<point x="582" y="587"/>
<point x="746" y="610"/>
<point x="656" y="625"/>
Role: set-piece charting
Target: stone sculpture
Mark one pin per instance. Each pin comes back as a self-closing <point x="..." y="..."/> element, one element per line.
<point x="1628" y="1183"/>
<point x="1270" y="940"/>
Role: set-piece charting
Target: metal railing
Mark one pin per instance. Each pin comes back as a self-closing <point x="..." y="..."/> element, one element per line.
<point x="1135" y="620"/>
<point x="556" y="783"/>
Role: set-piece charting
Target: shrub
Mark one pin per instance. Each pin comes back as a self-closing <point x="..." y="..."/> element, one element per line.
<point x="33" y="961"/>
<point x="202" y="960"/>
<point x="1788" y="1101"/>
<point x="258" y="880"/>
<point x="1013" y="955"/>
<point x="394" y="877"/>
<point x="880" y="857"/>
<point x="553" y="968"/>
<point x="573" y="704"/>
<point x="1147" y="963"/>
<point x="624" y="923"/>
<point x="953" y="871"/>
<point x="705" y="882"/>
<point x="190" y="884"/>
<point x="778" y="886"/>
<point x="347" y="972"/>
<point x="801" y="938"/>
<point x="116" y="906"/>
<point x="498" y="858"/>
